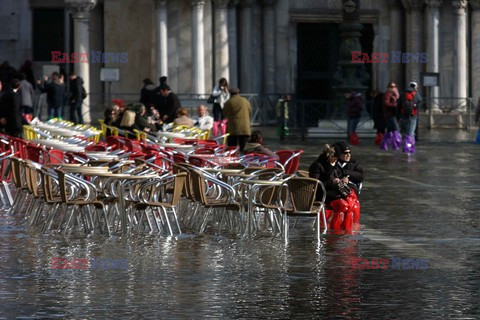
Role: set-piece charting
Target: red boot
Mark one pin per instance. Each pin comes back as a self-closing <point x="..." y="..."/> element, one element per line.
<point x="348" y="221"/>
<point x="378" y="138"/>
<point x="354" y="140"/>
<point x="339" y="206"/>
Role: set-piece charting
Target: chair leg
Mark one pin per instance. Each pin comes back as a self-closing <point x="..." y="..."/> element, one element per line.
<point x="176" y="220"/>
<point x="167" y="220"/>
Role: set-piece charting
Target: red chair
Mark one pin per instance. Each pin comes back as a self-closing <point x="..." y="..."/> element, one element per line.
<point x="34" y="153"/>
<point x="55" y="156"/>
<point x="116" y="142"/>
<point x="290" y="159"/>
<point x="207" y="143"/>
<point x="204" y="151"/>
<point x="133" y="145"/>
<point x="96" y="147"/>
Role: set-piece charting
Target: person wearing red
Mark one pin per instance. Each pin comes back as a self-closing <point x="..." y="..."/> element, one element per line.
<point x="392" y="137"/>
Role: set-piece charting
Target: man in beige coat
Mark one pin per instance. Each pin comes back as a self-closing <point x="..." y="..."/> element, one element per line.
<point x="238" y="111"/>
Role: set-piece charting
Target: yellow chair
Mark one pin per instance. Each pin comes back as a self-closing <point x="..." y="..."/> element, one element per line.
<point x="103" y="127"/>
<point x="141" y="136"/>
<point x="29" y="132"/>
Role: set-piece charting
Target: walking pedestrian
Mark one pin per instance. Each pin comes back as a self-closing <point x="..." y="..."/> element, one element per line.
<point x="392" y="137"/>
<point x="238" y="112"/>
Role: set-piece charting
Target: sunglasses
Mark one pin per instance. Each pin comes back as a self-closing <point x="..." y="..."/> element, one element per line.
<point x="392" y="86"/>
<point x="347" y="152"/>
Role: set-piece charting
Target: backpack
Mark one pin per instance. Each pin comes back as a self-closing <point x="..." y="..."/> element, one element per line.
<point x="84" y="93"/>
<point x="409" y="107"/>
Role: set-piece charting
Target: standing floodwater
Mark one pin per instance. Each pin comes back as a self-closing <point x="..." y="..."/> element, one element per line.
<point x="419" y="212"/>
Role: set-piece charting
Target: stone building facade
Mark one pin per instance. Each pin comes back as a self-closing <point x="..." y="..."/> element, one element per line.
<point x="261" y="46"/>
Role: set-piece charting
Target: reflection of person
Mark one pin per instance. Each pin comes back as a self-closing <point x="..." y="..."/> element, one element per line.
<point x="255" y="145"/>
<point x="204" y="122"/>
<point x="221" y="94"/>
<point x="238" y="112"/>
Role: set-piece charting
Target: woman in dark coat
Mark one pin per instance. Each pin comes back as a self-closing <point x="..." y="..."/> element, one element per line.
<point x="325" y="170"/>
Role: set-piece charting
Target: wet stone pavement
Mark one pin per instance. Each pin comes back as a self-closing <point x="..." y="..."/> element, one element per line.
<point x="424" y="207"/>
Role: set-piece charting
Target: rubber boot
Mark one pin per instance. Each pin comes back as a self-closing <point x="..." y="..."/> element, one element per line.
<point x="396" y="140"/>
<point x="378" y="138"/>
<point x="356" y="212"/>
<point x="387" y="141"/>
<point x="223" y="126"/>
<point x="409" y="144"/>
<point x="215" y="128"/>
<point x="348" y="222"/>
<point x="339" y="206"/>
<point x="353" y="139"/>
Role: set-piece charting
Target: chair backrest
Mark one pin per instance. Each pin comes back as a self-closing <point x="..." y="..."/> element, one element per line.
<point x="56" y="156"/>
<point x="302" y="193"/>
<point x="34" y="153"/>
<point x="290" y="159"/>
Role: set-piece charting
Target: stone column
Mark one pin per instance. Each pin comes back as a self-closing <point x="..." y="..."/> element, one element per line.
<point x="433" y="19"/>
<point x="414" y="39"/>
<point x="246" y="47"/>
<point x="395" y="41"/>
<point x="268" y="47"/>
<point x="162" y="38"/>
<point x="221" y="40"/>
<point x="198" y="52"/>
<point x="232" y="43"/>
<point x="460" y="53"/>
<point x="81" y="19"/>
<point x="475" y="54"/>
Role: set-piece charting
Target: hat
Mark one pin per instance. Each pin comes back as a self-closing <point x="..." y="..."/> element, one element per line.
<point x="413" y="85"/>
<point x="340" y="148"/>
<point x="119" y="102"/>
<point x="234" y="91"/>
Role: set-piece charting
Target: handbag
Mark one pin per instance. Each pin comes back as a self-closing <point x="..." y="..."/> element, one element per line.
<point x="343" y="189"/>
<point x="211" y="99"/>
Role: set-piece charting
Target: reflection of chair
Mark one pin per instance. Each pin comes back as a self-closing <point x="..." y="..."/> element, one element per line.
<point x="302" y="192"/>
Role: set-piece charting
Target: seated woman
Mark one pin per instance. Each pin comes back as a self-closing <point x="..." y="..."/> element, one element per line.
<point x="141" y="121"/>
<point x="183" y="119"/>
<point x="326" y="170"/>
<point x="255" y="145"/>
<point x="128" y="121"/>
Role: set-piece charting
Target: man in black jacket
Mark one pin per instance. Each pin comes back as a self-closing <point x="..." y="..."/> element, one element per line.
<point x="172" y="104"/>
<point x="350" y="168"/>
<point x="10" y="116"/>
<point x="76" y="99"/>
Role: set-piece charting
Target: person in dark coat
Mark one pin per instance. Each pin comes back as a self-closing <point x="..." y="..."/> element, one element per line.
<point x="238" y="111"/>
<point x="141" y="120"/>
<point x="377" y="115"/>
<point x="55" y="94"/>
<point x="172" y="104"/>
<point x="76" y="99"/>
<point x="350" y="168"/>
<point x="147" y="92"/>
<point x="157" y="98"/>
<point x="326" y="170"/>
<point x="10" y="116"/>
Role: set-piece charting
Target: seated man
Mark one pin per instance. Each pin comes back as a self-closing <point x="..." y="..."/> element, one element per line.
<point x="183" y="119"/>
<point x="204" y="122"/>
<point x="255" y="145"/>
<point x="141" y="120"/>
<point x="349" y="167"/>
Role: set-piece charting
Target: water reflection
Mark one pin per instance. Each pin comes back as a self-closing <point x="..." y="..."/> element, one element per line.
<point x="424" y="206"/>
